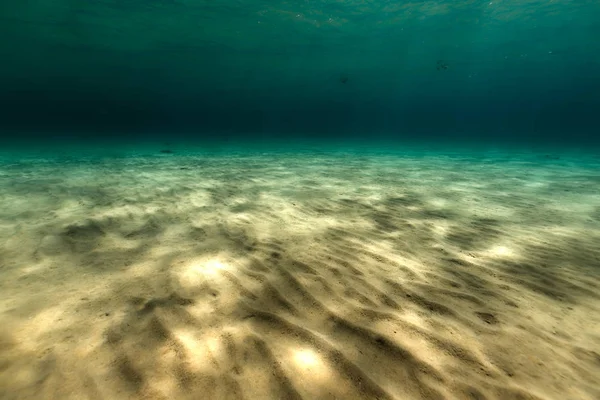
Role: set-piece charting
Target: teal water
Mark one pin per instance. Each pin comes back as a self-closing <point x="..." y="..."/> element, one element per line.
<point x="472" y="71"/>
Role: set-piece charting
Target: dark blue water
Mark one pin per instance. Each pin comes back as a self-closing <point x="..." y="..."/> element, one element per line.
<point x="475" y="72"/>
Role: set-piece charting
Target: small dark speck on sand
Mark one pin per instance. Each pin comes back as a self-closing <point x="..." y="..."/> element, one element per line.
<point x="166" y="151"/>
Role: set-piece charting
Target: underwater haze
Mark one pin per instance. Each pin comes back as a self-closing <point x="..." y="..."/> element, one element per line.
<point x="499" y="71"/>
<point x="309" y="199"/>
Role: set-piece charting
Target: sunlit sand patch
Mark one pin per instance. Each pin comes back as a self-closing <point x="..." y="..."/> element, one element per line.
<point x="440" y="228"/>
<point x="388" y="259"/>
<point x="439" y="202"/>
<point x="316" y="375"/>
<point x="306" y="359"/>
<point x="420" y="347"/>
<point x="415" y="319"/>
<point x="166" y="385"/>
<point x="502" y="251"/>
<point x="207" y="277"/>
<point x="309" y="363"/>
<point x="563" y="232"/>
<point x="197" y="271"/>
<point x="310" y="368"/>
<point x="71" y="208"/>
<point x="213" y="344"/>
<point x="128" y="210"/>
<point x="372" y="197"/>
<point x="199" y="199"/>
<point x="25" y="376"/>
<point x="34" y="268"/>
<point x="113" y="241"/>
<point x="293" y="219"/>
<point x="197" y="353"/>
<point x="203" y="350"/>
<point x="484" y="210"/>
<point x="535" y="184"/>
<point x="44" y="322"/>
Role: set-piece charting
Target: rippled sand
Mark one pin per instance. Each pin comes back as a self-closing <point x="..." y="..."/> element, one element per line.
<point x="312" y="276"/>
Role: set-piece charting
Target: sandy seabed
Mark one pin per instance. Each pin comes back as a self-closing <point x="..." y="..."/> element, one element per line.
<point x="300" y="276"/>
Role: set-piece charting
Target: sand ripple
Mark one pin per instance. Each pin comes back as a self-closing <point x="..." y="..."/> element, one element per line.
<point x="299" y="278"/>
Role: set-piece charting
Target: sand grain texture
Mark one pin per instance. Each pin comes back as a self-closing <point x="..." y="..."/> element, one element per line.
<point x="300" y="277"/>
